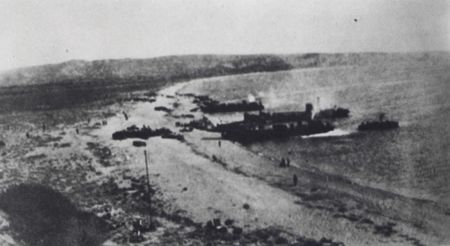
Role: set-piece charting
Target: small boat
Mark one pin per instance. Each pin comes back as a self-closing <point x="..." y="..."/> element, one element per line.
<point x="209" y="105"/>
<point x="380" y="124"/>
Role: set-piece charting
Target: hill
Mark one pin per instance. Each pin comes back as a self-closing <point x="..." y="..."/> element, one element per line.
<point x="174" y="68"/>
<point x="78" y="82"/>
<point x="170" y="68"/>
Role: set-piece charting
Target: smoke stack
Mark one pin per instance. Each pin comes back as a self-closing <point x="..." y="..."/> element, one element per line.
<point x="309" y="111"/>
<point x="309" y="107"/>
<point x="251" y="98"/>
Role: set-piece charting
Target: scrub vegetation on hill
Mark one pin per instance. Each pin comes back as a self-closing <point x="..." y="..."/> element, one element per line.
<point x="79" y="82"/>
<point x="43" y="216"/>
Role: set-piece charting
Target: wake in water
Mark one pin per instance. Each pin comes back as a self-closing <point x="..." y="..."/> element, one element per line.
<point x="333" y="133"/>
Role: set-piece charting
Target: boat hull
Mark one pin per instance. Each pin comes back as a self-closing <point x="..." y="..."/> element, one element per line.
<point x="245" y="135"/>
<point x="373" y="126"/>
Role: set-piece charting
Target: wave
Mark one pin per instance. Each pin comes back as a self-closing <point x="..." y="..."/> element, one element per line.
<point x="334" y="133"/>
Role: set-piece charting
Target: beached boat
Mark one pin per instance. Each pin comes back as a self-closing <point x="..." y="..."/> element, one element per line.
<point x="380" y="124"/>
<point x="261" y="126"/>
<point x="208" y="105"/>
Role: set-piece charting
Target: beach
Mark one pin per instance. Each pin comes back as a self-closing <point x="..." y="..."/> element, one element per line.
<point x="201" y="179"/>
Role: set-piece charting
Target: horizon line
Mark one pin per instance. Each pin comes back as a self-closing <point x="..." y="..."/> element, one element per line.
<point x="218" y="54"/>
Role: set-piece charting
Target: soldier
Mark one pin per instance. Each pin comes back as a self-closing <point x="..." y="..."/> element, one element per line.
<point x="137" y="225"/>
<point x="295" y="179"/>
<point x="282" y="163"/>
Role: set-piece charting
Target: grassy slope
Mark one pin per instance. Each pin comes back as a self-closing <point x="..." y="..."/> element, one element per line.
<point x="79" y="82"/>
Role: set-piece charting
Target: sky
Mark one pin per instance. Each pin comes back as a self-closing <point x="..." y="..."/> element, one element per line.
<point x="34" y="32"/>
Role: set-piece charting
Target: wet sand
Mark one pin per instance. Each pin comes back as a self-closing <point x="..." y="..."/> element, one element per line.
<point x="220" y="179"/>
<point x="203" y="180"/>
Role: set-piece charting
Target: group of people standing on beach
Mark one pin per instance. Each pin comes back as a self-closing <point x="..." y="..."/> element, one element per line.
<point x="285" y="163"/>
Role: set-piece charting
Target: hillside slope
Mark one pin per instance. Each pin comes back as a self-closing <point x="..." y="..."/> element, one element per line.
<point x="78" y="82"/>
<point x="173" y="68"/>
<point x="170" y="68"/>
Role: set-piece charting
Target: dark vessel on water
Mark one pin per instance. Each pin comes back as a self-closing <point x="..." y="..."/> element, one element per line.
<point x="208" y="105"/>
<point x="264" y="125"/>
<point x="380" y="124"/>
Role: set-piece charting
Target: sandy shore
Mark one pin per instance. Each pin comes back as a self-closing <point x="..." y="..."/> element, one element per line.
<point x="202" y="180"/>
<point x="321" y="206"/>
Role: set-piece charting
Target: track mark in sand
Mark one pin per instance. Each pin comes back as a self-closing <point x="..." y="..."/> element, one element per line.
<point x="214" y="159"/>
<point x="340" y="211"/>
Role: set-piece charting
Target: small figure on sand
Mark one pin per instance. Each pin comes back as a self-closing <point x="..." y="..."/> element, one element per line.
<point x="295" y="179"/>
<point x="285" y="162"/>
<point x="220" y="144"/>
<point x="138" y="225"/>
<point x="77" y="131"/>
<point x="136" y="235"/>
<point x="125" y="115"/>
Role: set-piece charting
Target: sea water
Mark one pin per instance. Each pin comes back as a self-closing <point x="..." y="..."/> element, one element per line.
<point x="412" y="160"/>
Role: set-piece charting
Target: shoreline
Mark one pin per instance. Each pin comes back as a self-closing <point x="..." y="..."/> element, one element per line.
<point x="192" y="183"/>
<point x="411" y="193"/>
<point x="293" y="200"/>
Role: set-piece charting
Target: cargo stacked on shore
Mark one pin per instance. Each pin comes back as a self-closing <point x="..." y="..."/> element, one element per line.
<point x="145" y="133"/>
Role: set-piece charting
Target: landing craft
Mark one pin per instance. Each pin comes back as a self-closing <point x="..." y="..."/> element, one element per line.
<point x="208" y="105"/>
<point x="380" y="124"/>
<point x="264" y="125"/>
